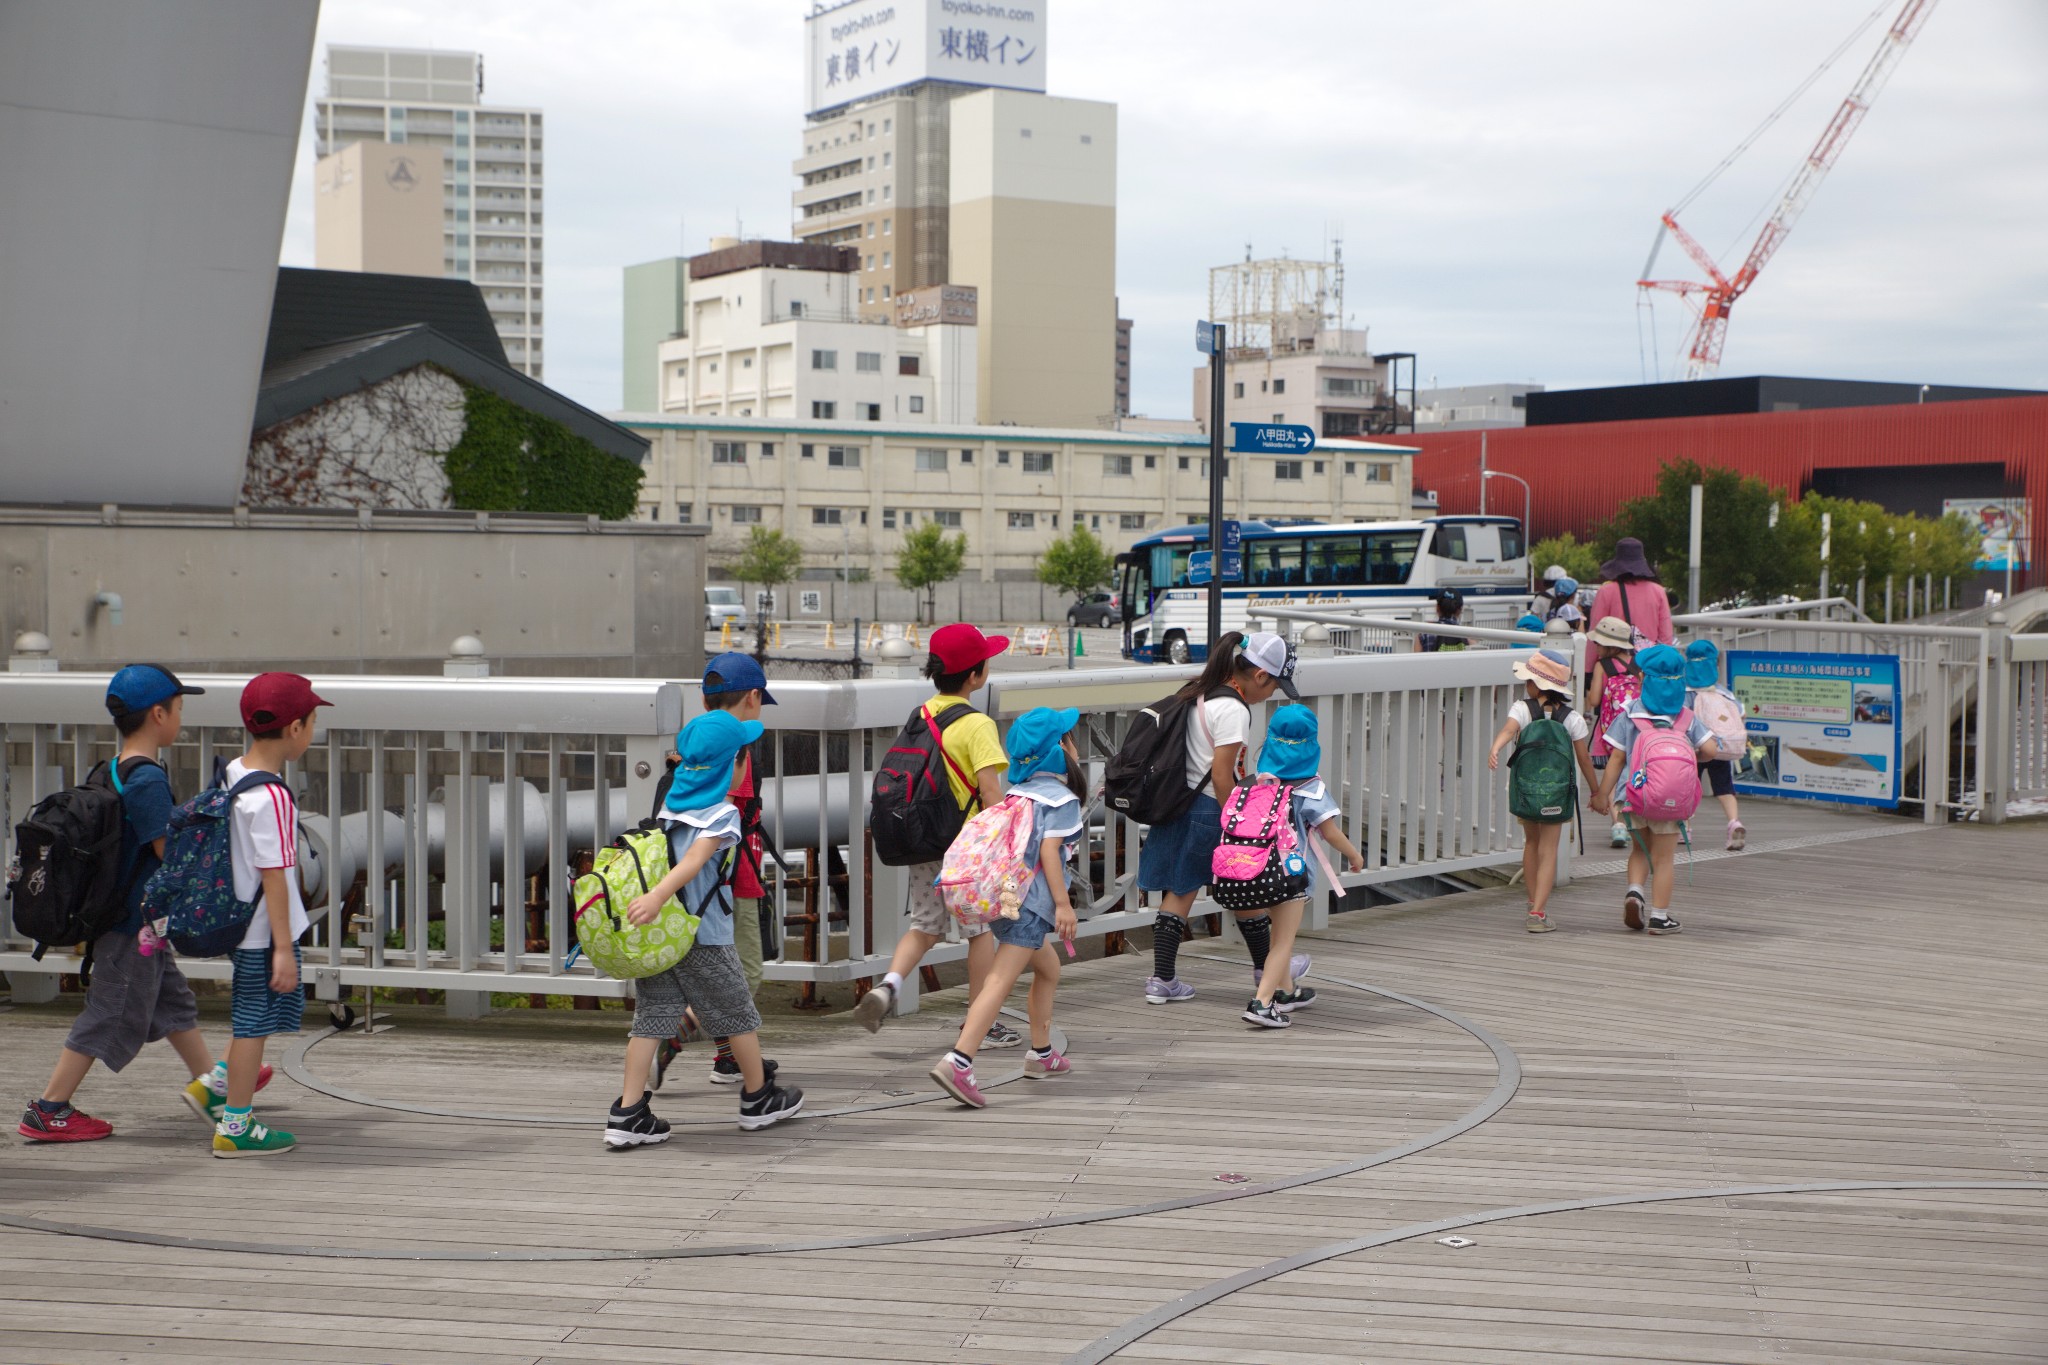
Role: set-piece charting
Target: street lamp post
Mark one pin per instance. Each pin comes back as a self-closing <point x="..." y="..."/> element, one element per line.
<point x="1486" y="474"/>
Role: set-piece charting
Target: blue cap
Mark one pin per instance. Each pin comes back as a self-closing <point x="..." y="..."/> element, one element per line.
<point x="1663" y="679"/>
<point x="736" y="673"/>
<point x="1530" y="621"/>
<point x="1564" y="587"/>
<point x="705" y="750"/>
<point x="1292" y="752"/>
<point x="1702" y="664"/>
<point x="138" y="687"/>
<point x="1034" y="741"/>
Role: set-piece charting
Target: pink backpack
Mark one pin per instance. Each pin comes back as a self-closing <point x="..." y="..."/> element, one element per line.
<point x="1258" y="864"/>
<point x="990" y="863"/>
<point x="1663" y="780"/>
<point x="1615" y="694"/>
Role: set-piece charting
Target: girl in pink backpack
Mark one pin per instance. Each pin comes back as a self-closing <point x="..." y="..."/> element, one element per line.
<point x="1658" y="746"/>
<point x="1046" y="774"/>
<point x="1613" y="682"/>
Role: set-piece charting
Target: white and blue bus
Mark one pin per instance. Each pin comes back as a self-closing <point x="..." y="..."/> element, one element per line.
<point x="1386" y="568"/>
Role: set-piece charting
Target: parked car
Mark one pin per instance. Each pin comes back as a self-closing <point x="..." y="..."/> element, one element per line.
<point x="1096" y="609"/>
<point x="722" y="605"/>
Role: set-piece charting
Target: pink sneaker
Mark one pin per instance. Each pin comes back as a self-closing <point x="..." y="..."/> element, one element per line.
<point x="958" y="1082"/>
<point x="1054" y="1063"/>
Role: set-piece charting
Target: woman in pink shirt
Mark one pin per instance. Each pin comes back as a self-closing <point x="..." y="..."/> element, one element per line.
<point x="1630" y="590"/>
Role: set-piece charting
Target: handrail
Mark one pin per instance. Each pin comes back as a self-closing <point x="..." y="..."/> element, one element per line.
<point x="1413" y="627"/>
<point x="1776" y="608"/>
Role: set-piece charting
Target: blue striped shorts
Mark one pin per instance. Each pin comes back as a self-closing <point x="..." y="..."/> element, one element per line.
<point x="258" y="1010"/>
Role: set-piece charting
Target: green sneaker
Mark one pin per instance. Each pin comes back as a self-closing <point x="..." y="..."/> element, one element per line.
<point x="256" y="1140"/>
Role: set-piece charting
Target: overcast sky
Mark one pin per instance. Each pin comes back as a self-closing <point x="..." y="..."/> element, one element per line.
<point x="1495" y="168"/>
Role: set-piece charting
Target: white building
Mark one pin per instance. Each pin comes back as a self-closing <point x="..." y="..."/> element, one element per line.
<point x="773" y="330"/>
<point x="491" y="178"/>
<point x="1473" y="407"/>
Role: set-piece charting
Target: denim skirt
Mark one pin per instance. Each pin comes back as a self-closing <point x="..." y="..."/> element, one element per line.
<point x="1177" y="857"/>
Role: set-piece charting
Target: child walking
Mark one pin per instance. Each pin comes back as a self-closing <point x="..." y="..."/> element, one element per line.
<point x="1045" y="769"/>
<point x="1614" y="683"/>
<point x="702" y="824"/>
<point x="1542" y="793"/>
<point x="1722" y="712"/>
<point x="1653" y="843"/>
<point x="1293" y="754"/>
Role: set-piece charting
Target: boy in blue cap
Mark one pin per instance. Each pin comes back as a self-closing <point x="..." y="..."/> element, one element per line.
<point x="1653" y="845"/>
<point x="133" y="998"/>
<point x="1045" y="770"/>
<point x="1293" y="753"/>
<point x="702" y="824"/>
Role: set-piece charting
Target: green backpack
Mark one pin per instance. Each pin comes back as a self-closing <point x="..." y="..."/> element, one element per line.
<point x="627" y="868"/>
<point x="1543" y="784"/>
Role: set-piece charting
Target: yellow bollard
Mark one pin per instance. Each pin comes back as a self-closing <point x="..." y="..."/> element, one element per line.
<point x="725" y="633"/>
<point x="910" y="634"/>
<point x="775" y="633"/>
<point x="874" y="636"/>
<point x="829" y="643"/>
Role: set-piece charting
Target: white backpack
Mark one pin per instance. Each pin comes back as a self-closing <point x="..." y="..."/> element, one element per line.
<point x="1722" y="714"/>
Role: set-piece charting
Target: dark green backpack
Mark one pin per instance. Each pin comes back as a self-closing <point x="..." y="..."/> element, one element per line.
<point x="1542" y="778"/>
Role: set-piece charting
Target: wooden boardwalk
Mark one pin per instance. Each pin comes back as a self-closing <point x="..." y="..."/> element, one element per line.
<point x="1867" y="1009"/>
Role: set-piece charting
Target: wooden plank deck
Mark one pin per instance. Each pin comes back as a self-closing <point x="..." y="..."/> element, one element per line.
<point x="1868" y="1009"/>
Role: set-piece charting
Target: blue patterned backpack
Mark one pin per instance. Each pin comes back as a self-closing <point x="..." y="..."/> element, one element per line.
<point x="193" y="892"/>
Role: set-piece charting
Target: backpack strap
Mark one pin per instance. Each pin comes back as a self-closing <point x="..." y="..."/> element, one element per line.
<point x="938" y="732"/>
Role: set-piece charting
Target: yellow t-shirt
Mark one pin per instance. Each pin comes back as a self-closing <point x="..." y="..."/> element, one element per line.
<point x="971" y="742"/>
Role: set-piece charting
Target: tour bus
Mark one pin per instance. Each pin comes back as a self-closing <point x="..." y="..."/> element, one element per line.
<point x="1383" y="568"/>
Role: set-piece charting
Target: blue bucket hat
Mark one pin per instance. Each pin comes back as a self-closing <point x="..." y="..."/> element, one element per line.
<point x="736" y="673"/>
<point x="1292" y="751"/>
<point x="1702" y="664"/>
<point x="705" y="749"/>
<point x="1663" y="680"/>
<point x="1530" y="621"/>
<point x="1033" y="743"/>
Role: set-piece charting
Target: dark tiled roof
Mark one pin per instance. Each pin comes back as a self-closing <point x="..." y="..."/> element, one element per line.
<point x="314" y="307"/>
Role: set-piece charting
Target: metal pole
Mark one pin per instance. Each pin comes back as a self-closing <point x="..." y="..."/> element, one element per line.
<point x="1482" y="473"/>
<point x="1216" y="490"/>
<point x="1827" y="533"/>
<point x="1692" y="572"/>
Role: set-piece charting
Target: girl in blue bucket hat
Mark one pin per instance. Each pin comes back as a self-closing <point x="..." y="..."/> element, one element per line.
<point x="1653" y="844"/>
<point x="1722" y="712"/>
<point x="1045" y="770"/>
<point x="1293" y="754"/>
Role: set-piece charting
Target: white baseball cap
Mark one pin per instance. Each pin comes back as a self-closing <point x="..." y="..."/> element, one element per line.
<point x="1269" y="653"/>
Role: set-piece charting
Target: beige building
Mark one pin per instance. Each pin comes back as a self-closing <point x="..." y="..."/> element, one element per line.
<point x="377" y="207"/>
<point x="848" y="491"/>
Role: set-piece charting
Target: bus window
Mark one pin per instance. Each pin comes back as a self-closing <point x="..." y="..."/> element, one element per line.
<point x="1511" y="544"/>
<point x="1170" y="566"/>
<point x="1335" y="560"/>
<point x="1390" y="555"/>
<point x="1136" y="586"/>
<point x="1449" y="543"/>
<point x="1273" y="563"/>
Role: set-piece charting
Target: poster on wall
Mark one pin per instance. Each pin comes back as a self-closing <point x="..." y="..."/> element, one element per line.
<point x="1822" y="727"/>
<point x="2005" y="529"/>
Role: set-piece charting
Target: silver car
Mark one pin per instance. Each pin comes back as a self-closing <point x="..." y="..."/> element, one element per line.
<point x="722" y="605"/>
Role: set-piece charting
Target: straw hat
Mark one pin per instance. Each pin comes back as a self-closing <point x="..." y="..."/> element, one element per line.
<point x="1613" y="632"/>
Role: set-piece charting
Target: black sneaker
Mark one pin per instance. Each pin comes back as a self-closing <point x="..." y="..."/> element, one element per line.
<point x="726" y="1071"/>
<point x="1300" y="998"/>
<point x="769" y="1105"/>
<point x="1667" y="925"/>
<point x="669" y="1050"/>
<point x="1266" y="1016"/>
<point x="635" y="1127"/>
<point x="1001" y="1034"/>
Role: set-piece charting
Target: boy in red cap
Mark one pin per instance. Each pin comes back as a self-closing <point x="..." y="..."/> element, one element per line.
<point x="278" y="710"/>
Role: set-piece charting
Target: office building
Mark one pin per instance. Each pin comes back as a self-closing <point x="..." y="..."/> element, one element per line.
<point x="1473" y="407"/>
<point x="491" y="219"/>
<point x="1123" y="364"/>
<point x="378" y="208"/>
<point x="656" y="294"/>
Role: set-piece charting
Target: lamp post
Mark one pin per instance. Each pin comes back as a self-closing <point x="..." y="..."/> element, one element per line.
<point x="1486" y="474"/>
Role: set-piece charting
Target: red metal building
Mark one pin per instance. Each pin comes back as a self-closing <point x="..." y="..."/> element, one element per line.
<point x="1580" y="474"/>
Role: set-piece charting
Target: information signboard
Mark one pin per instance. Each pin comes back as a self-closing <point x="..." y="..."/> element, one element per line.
<point x="1822" y="727"/>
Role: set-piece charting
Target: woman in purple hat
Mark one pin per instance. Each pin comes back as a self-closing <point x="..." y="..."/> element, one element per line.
<point x="1629" y="589"/>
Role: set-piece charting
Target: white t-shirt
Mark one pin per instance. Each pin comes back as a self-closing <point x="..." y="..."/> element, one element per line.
<point x="264" y="833"/>
<point x="1229" y="722"/>
<point x="1575" y="726"/>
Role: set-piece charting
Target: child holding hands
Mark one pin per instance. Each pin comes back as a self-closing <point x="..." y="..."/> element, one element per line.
<point x="1547" y="685"/>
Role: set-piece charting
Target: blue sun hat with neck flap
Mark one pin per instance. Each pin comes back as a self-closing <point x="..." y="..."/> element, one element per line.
<point x="1034" y="742"/>
<point x="1293" y="751"/>
<point x="1702" y="665"/>
<point x="705" y="750"/>
<point x="1663" y="680"/>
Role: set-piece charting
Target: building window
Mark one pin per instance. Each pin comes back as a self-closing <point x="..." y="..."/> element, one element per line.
<point x="885" y="293"/>
<point x="907" y="364"/>
<point x="808" y="452"/>
<point x="885" y="260"/>
<point x="888" y="193"/>
<point x="966" y="457"/>
<point x="888" y="518"/>
<point x="746" y="516"/>
<point x="824" y="360"/>
<point x="714" y="367"/>
<point x="728" y="452"/>
<point x="1346" y="388"/>
<point x="930" y="460"/>
<point x="1278" y="418"/>
<point x="874" y="411"/>
<point x="871" y="229"/>
<point x="1183" y="462"/>
<point x="1287" y="470"/>
<point x="1130" y="521"/>
<point x="888" y="227"/>
<point x="1379" y="473"/>
<point x="1350" y="468"/>
<point x="870" y="262"/>
<point x="917" y="402"/>
<point x="767" y="450"/>
<point x="1319" y="467"/>
<point x="1038" y="462"/>
<point x="1279" y="386"/>
<point x="1343" y="424"/>
<point x="871" y="163"/>
<point x="842" y="457"/>
<point x="827" y="516"/>
<point x="1116" y="466"/>
<point x="1002" y="457"/>
<point x="871" y="196"/>
<point x="1023" y="521"/>
<point x="683" y="513"/>
<point x="1262" y="386"/>
<point x="867" y="362"/>
<point x="824" y="411"/>
<point x="1237" y="389"/>
<point x="949" y="520"/>
<point x="1151" y="462"/>
<point x="886" y="157"/>
<point x="746" y="362"/>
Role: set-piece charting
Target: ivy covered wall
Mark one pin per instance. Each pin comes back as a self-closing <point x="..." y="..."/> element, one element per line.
<point x="512" y="460"/>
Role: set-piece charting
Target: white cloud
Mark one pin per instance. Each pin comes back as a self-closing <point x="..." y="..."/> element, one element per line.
<point x="1496" y="168"/>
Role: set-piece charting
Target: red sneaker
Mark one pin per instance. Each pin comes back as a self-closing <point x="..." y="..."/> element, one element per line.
<point x="959" y="1083"/>
<point x="66" y="1125"/>
<point x="263" y="1078"/>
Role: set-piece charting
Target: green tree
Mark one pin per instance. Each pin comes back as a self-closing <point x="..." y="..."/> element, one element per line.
<point x="1741" y="554"/>
<point x="1076" y="563"/>
<point x="930" y="557"/>
<point x="512" y="460"/>
<point x="1580" y="560"/>
<point x="770" y="559"/>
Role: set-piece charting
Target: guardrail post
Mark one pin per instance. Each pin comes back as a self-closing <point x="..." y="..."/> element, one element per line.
<point x="1995" y="710"/>
<point x="1933" y="734"/>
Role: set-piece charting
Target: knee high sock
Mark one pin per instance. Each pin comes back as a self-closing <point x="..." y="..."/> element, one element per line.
<point x="1258" y="936"/>
<point x="1167" y="932"/>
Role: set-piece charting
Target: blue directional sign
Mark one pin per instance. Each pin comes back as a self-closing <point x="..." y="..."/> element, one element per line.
<point x="1205" y="337"/>
<point x="1200" y="562"/>
<point x="1233" y="535"/>
<point x="1263" y="438"/>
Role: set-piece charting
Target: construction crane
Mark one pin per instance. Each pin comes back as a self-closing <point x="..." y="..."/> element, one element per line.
<point x="1715" y="297"/>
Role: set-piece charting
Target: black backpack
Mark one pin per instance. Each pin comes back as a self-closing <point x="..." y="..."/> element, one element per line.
<point x="1147" y="780"/>
<point x="911" y="811"/>
<point x="65" y="886"/>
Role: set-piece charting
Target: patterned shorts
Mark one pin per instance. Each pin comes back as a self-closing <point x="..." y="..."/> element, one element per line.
<point x="258" y="1010"/>
<point x="928" y="912"/>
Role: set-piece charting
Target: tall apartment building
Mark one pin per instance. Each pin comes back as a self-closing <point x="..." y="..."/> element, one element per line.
<point x="1123" y="364"/>
<point x="491" y="180"/>
<point x="656" y="293"/>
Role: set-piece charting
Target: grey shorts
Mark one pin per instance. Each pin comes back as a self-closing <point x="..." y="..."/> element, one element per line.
<point x="132" y="1000"/>
<point x="709" y="980"/>
<point x="928" y="912"/>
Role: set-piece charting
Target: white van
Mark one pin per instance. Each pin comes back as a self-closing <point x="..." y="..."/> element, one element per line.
<point x="722" y="605"/>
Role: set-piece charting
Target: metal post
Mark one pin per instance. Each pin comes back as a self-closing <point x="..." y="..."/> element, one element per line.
<point x="1216" y="489"/>
<point x="1995" y="712"/>
<point x="1692" y="572"/>
<point x="1827" y="535"/>
<point x="1482" y="475"/>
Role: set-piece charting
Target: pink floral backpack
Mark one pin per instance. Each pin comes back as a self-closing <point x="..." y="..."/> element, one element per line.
<point x="1616" y="693"/>
<point x="1259" y="862"/>
<point x="990" y="863"/>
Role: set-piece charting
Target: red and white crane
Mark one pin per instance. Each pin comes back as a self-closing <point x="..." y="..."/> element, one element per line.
<point x="1715" y="296"/>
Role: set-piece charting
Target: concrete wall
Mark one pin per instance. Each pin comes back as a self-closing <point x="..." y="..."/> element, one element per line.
<point x="987" y="604"/>
<point x="372" y="592"/>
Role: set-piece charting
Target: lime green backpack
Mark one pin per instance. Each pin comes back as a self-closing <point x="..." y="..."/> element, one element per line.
<point x="625" y="869"/>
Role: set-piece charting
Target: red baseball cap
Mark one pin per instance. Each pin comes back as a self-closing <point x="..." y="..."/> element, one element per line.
<point x="962" y="647"/>
<point x="274" y="699"/>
